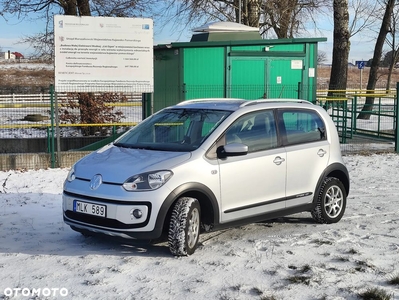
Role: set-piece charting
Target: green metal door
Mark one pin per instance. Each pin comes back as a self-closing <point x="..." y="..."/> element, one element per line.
<point x="284" y="78"/>
<point x="256" y="78"/>
<point x="204" y="70"/>
<point x="247" y="78"/>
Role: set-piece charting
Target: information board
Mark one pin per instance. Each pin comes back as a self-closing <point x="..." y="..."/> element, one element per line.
<point x="103" y="54"/>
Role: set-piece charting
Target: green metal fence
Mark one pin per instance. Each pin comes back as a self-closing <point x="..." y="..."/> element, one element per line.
<point x="35" y="128"/>
<point x="376" y="132"/>
<point x="50" y="124"/>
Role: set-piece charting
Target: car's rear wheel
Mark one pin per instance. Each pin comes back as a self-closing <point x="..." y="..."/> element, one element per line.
<point x="331" y="202"/>
<point x="184" y="227"/>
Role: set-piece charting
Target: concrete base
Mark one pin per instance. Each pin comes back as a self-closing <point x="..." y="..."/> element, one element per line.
<point x="34" y="161"/>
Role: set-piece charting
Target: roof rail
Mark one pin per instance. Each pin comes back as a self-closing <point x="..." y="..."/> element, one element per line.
<point x="277" y="100"/>
<point x="208" y="100"/>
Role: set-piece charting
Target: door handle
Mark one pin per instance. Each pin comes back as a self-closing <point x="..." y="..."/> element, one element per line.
<point x="278" y="160"/>
<point x="321" y="152"/>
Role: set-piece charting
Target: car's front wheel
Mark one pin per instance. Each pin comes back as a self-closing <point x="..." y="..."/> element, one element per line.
<point x="331" y="202"/>
<point x="184" y="227"/>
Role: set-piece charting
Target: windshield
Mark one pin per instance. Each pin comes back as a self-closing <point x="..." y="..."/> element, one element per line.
<point x="173" y="130"/>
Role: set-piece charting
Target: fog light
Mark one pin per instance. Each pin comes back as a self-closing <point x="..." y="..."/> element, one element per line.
<point x="137" y="213"/>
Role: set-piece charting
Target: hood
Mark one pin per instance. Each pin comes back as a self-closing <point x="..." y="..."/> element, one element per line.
<point x="117" y="164"/>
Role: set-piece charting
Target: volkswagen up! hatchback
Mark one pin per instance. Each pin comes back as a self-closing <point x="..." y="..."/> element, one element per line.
<point x="208" y="164"/>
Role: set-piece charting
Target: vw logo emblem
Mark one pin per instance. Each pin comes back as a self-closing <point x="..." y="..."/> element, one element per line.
<point x="96" y="181"/>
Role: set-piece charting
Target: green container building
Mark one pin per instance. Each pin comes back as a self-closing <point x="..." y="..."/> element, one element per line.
<point x="234" y="63"/>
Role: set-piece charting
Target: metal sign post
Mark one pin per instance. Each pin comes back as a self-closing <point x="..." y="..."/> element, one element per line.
<point x="360" y="65"/>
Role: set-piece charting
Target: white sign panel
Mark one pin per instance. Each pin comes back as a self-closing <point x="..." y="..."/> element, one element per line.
<point x="312" y="72"/>
<point x="296" y="64"/>
<point x="103" y="54"/>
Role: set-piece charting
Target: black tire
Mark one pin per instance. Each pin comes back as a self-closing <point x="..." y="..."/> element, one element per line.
<point x="184" y="227"/>
<point x="331" y="202"/>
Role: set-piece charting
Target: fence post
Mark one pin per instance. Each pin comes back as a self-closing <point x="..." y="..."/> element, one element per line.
<point x="52" y="126"/>
<point x="300" y="91"/>
<point x="113" y="132"/>
<point x="57" y="130"/>
<point x="354" y="115"/>
<point x="396" y="118"/>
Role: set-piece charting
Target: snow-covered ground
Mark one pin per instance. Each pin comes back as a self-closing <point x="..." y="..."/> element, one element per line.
<point x="287" y="258"/>
<point x="25" y="64"/>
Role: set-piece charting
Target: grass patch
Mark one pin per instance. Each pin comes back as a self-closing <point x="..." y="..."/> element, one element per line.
<point x="34" y="77"/>
<point x="305" y="268"/>
<point x="352" y="251"/>
<point x="322" y="242"/>
<point x="375" y="294"/>
<point x="299" y="279"/>
<point x="256" y="291"/>
<point x="363" y="265"/>
<point x="394" y="279"/>
<point x="236" y="287"/>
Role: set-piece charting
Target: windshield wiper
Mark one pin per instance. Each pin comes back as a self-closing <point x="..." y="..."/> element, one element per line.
<point x="121" y="145"/>
<point x="135" y="146"/>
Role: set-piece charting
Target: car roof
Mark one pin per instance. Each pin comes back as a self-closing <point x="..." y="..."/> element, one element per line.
<point x="231" y="104"/>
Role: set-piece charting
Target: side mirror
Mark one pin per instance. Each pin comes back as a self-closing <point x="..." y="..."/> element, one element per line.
<point x="233" y="149"/>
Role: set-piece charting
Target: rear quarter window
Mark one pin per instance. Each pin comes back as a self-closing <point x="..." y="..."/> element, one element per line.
<point x="301" y="126"/>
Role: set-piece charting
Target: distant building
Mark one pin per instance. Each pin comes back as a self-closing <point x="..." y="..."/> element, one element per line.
<point x="18" y="55"/>
<point x="11" y="55"/>
<point x="7" y="55"/>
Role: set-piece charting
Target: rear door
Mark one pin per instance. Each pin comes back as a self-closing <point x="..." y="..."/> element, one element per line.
<point x="307" y="150"/>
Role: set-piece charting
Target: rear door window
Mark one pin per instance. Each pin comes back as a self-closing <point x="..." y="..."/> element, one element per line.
<point x="301" y="126"/>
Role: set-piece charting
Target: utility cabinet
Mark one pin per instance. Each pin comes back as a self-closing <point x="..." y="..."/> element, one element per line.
<point x="245" y="68"/>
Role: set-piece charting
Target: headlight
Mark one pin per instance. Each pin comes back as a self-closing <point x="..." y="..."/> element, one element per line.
<point x="71" y="175"/>
<point x="147" y="181"/>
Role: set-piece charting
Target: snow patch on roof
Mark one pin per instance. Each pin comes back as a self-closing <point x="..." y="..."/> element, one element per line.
<point x="225" y="27"/>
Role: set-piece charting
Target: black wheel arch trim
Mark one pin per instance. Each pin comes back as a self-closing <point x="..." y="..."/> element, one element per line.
<point x="190" y="189"/>
<point x="334" y="169"/>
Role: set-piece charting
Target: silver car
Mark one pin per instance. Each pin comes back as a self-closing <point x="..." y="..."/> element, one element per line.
<point x="208" y="164"/>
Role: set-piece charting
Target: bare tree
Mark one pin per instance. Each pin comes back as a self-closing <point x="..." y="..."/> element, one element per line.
<point x="278" y="18"/>
<point x="373" y="76"/>
<point x="121" y="8"/>
<point x="351" y="17"/>
<point x="341" y="46"/>
<point x="321" y="57"/>
<point x="288" y="17"/>
<point x="362" y="16"/>
<point x="42" y="42"/>
<point x="393" y="54"/>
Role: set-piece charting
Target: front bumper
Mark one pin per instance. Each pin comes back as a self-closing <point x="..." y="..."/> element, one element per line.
<point x="118" y="221"/>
